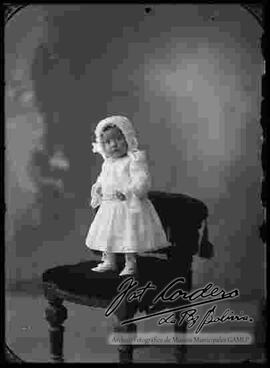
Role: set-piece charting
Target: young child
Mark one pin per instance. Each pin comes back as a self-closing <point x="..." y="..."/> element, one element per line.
<point x="126" y="221"/>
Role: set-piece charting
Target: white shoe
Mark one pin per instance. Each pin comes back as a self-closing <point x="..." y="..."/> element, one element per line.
<point x="129" y="269"/>
<point x="104" y="266"/>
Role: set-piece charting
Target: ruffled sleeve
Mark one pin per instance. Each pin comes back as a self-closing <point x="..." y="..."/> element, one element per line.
<point x="140" y="179"/>
<point x="96" y="194"/>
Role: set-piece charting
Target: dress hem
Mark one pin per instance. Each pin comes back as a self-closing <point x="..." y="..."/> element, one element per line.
<point x="105" y="249"/>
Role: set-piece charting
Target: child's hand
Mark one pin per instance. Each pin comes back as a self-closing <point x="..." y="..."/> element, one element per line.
<point x="99" y="191"/>
<point x="120" y="195"/>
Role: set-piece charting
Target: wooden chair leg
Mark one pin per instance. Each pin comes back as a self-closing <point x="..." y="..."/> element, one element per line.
<point x="180" y="351"/>
<point x="125" y="311"/>
<point x="56" y="314"/>
<point x="126" y="351"/>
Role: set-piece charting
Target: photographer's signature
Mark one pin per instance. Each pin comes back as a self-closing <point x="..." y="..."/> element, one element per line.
<point x="208" y="294"/>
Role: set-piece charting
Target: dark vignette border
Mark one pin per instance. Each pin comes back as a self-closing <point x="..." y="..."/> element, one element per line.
<point x="260" y="11"/>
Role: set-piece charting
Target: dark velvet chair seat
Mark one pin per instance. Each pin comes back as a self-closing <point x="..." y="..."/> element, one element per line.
<point x="79" y="283"/>
<point x="79" y="279"/>
<point x="182" y="217"/>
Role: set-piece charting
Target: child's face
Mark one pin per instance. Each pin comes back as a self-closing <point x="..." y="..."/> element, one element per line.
<point x="114" y="143"/>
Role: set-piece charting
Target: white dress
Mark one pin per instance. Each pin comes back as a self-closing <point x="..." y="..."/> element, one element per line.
<point x="132" y="225"/>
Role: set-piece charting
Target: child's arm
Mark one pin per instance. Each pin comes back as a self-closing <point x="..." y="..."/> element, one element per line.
<point x="96" y="191"/>
<point x="140" y="179"/>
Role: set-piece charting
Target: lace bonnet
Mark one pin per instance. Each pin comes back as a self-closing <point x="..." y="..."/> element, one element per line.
<point x="122" y="123"/>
